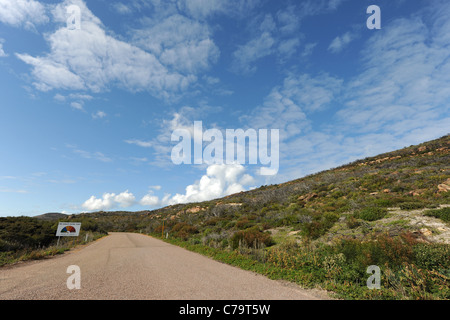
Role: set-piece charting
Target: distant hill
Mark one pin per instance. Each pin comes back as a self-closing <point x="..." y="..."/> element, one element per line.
<point x="51" y="216"/>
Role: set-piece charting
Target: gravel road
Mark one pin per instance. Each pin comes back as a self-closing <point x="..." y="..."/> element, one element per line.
<point x="125" y="266"/>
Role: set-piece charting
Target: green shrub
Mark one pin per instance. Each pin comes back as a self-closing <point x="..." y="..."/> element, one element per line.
<point x="412" y="205"/>
<point x="243" y="223"/>
<point x="183" y="230"/>
<point x="251" y="237"/>
<point x="383" y="250"/>
<point x="352" y="222"/>
<point x="372" y="213"/>
<point x="443" y="214"/>
<point x="385" y="202"/>
<point x="319" y="225"/>
<point x="432" y="256"/>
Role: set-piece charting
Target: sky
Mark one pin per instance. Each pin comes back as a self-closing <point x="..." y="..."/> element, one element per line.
<point x="92" y="94"/>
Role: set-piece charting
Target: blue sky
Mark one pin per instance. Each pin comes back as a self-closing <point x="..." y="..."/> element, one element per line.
<point x="87" y="114"/>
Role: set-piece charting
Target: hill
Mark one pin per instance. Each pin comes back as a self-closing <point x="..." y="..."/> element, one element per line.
<point x="391" y="193"/>
<point x="51" y="216"/>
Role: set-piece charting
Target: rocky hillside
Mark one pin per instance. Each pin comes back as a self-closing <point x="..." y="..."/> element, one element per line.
<point x="392" y="192"/>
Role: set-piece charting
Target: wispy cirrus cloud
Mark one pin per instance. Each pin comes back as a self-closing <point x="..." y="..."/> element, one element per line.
<point x="99" y="156"/>
<point x="2" y="52"/>
<point x="341" y="42"/>
<point x="7" y="190"/>
<point x="140" y="143"/>
<point x="180" y="43"/>
<point x="287" y="106"/>
<point x="278" y="35"/>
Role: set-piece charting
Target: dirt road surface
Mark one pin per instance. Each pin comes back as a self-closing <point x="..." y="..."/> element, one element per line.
<point x="127" y="266"/>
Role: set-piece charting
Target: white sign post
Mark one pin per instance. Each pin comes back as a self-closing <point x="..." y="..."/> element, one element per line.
<point x="68" y="229"/>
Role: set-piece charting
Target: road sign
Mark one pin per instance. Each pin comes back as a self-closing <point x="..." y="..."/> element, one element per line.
<point x="68" y="229"/>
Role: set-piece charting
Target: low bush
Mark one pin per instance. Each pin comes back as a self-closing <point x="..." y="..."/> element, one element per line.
<point x="320" y="224"/>
<point x="372" y="213"/>
<point x="443" y="214"/>
<point x="352" y="222"/>
<point x="183" y="230"/>
<point x="251" y="237"/>
<point x="412" y="205"/>
<point x="432" y="256"/>
<point x="243" y="223"/>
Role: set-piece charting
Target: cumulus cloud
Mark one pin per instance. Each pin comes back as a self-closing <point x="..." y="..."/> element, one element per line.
<point x="150" y="200"/>
<point x="220" y="180"/>
<point x="109" y="201"/>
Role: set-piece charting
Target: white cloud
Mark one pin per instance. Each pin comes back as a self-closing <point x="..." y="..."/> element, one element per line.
<point x="219" y="181"/>
<point x="287" y="48"/>
<point x="122" y="8"/>
<point x="89" y="155"/>
<point x="91" y="59"/>
<point x="203" y="9"/>
<point x="405" y="83"/>
<point x="2" y="52"/>
<point x="150" y="200"/>
<point x="77" y="106"/>
<point x="7" y="190"/>
<point x="50" y="74"/>
<point x="312" y="93"/>
<point x="109" y="201"/>
<point x="308" y="49"/>
<point x="180" y="43"/>
<point x="26" y="13"/>
<point x="140" y="143"/>
<point x="279" y="35"/>
<point x="287" y="106"/>
<point x="341" y="42"/>
<point x="288" y="20"/>
<point x="99" y="115"/>
<point x="252" y="51"/>
<point x="59" y="97"/>
<point x="125" y="199"/>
